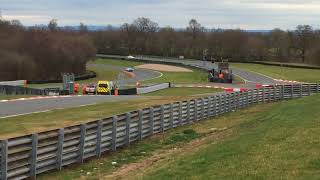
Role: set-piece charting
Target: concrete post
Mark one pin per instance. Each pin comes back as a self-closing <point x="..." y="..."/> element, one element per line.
<point x="82" y="142"/>
<point x="60" y="149"/>
<point x="114" y="133"/>
<point x="33" y="162"/>
<point x="99" y="134"/>
<point x="128" y="122"/>
<point x="4" y="160"/>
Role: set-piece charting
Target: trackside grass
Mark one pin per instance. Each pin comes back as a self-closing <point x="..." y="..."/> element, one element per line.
<point x="286" y="73"/>
<point x="267" y="141"/>
<point x="183" y="92"/>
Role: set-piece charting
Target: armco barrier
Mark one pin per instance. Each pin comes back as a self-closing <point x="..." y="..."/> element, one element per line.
<point x="18" y="90"/>
<point x="154" y="88"/>
<point x="30" y="155"/>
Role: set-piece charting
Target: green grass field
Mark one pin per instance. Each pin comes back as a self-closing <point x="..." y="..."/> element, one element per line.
<point x="197" y="76"/>
<point x="286" y="73"/>
<point x="183" y="92"/>
<point x="267" y="141"/>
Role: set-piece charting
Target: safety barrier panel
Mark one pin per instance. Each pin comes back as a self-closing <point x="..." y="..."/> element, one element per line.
<point x="30" y="155"/>
<point x="154" y="88"/>
<point x="18" y="90"/>
<point x="14" y="83"/>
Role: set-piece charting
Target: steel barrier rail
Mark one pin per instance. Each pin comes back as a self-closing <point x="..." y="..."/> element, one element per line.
<point x="30" y="155"/>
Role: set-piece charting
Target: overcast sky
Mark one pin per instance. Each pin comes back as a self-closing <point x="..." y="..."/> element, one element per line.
<point x="244" y="14"/>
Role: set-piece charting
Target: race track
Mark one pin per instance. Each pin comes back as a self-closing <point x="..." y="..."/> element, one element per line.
<point x="15" y="108"/>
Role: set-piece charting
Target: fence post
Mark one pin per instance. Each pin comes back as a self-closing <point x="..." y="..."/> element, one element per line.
<point x="180" y="113"/>
<point x="214" y="106"/>
<point x="128" y="119"/>
<point x="309" y="90"/>
<point x="99" y="134"/>
<point x="114" y="133"/>
<point x="282" y="92"/>
<point x="60" y="148"/>
<point x="4" y="159"/>
<point x="82" y="142"/>
<point x="140" y="124"/>
<point x="151" y="121"/>
<point x="171" y="115"/>
<point x="33" y="163"/>
<point x="162" y="118"/>
<point x="300" y="90"/>
<point x="317" y="88"/>
<point x="202" y="109"/>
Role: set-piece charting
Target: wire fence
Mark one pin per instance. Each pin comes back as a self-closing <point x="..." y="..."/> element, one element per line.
<point x="27" y="156"/>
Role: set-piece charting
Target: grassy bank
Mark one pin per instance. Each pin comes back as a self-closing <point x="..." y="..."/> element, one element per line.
<point x="286" y="73"/>
<point x="268" y="141"/>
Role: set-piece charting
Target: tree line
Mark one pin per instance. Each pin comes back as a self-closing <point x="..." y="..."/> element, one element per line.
<point x="42" y="53"/>
<point x="144" y="37"/>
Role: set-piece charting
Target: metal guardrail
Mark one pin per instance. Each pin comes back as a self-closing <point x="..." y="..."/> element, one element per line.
<point x="153" y="88"/>
<point x="30" y="155"/>
<point x="18" y="90"/>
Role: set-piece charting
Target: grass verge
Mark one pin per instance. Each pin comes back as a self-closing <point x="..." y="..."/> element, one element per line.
<point x="27" y="124"/>
<point x="286" y="73"/>
<point x="268" y="141"/>
<point x="183" y="92"/>
<point x="8" y="97"/>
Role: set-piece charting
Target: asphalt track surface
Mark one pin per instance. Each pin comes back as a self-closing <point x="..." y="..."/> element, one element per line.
<point x="15" y="108"/>
<point x="248" y="76"/>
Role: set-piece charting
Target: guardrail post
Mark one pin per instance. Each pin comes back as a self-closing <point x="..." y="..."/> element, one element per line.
<point x="195" y="110"/>
<point x="230" y="99"/>
<point x="60" y="148"/>
<point x="214" y="106"/>
<point x="114" y="133"/>
<point x="4" y="159"/>
<point x="291" y="91"/>
<point x="82" y="142"/>
<point x="140" y="124"/>
<point x="34" y="149"/>
<point x="309" y="90"/>
<point x="151" y="121"/>
<point x="162" y="118"/>
<point x="188" y="112"/>
<point x="99" y="134"/>
<point x="300" y="90"/>
<point x="180" y="113"/>
<point x="202" y="109"/>
<point x="171" y="115"/>
<point x="128" y="121"/>
<point x="282" y="92"/>
<point x="317" y="88"/>
<point x="209" y="107"/>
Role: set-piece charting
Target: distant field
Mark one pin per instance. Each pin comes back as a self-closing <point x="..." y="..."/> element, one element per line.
<point x="183" y="92"/>
<point x="286" y="73"/>
<point x="267" y="141"/>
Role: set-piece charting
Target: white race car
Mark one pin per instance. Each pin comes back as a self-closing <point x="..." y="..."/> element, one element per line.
<point x="129" y="69"/>
<point x="130" y="57"/>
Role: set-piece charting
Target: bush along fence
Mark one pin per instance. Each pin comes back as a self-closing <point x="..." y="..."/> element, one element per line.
<point x="27" y="156"/>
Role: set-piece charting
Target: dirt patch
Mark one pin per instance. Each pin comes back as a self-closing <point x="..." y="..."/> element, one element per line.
<point x="164" y="68"/>
<point x="136" y="170"/>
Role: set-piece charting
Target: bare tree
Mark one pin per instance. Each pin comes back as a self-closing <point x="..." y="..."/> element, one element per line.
<point x="194" y="27"/>
<point x="304" y="35"/>
<point x="53" y="25"/>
